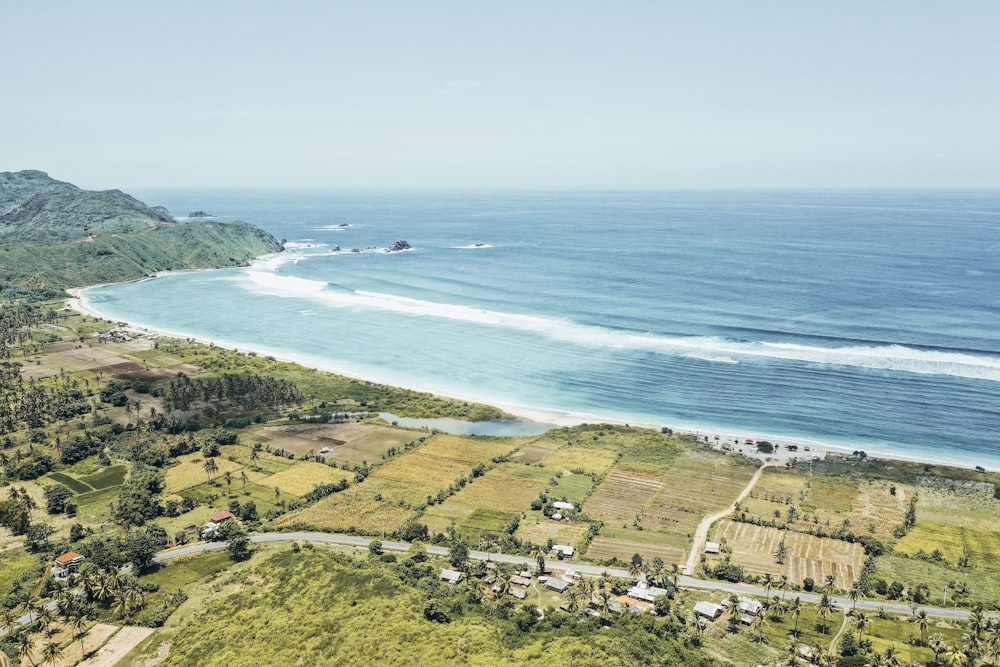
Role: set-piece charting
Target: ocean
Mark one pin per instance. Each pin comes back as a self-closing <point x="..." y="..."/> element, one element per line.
<point x="862" y="319"/>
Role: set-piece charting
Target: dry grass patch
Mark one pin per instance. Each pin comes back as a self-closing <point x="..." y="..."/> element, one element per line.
<point x="604" y="548"/>
<point x="356" y="508"/>
<point x="622" y="495"/>
<point x="754" y="547"/>
<point x="697" y="484"/>
<point x="586" y="459"/>
<point x="190" y="472"/>
<point x="352" y="442"/>
<point x="540" y="531"/>
<point x="503" y="489"/>
<point x="878" y="508"/>
<point x="302" y="477"/>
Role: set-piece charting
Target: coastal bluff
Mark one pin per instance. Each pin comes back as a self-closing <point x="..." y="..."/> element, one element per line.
<point x="56" y="235"/>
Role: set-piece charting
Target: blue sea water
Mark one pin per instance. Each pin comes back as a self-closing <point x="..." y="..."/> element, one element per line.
<point x="864" y="319"/>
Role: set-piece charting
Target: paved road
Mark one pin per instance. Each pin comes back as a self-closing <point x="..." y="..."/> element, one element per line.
<point x="684" y="581"/>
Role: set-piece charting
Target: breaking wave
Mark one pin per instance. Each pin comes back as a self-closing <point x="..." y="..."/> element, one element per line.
<point x="888" y="357"/>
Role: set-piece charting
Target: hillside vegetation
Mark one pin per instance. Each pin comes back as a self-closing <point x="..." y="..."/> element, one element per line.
<point x="55" y="236"/>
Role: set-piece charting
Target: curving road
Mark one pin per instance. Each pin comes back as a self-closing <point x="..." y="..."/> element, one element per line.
<point x="684" y="581"/>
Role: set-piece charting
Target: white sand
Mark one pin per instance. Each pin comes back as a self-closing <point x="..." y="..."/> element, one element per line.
<point x="806" y="449"/>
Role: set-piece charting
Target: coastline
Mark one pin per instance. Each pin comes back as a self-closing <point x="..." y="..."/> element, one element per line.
<point x="803" y="449"/>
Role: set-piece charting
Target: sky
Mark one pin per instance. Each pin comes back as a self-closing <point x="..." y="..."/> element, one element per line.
<point x="533" y="94"/>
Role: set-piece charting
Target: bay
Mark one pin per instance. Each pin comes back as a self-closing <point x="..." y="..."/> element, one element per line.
<point x="863" y="319"/>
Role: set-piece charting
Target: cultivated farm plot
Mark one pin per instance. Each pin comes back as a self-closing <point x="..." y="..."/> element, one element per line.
<point x="585" y="459"/>
<point x="622" y="496"/>
<point x="695" y="485"/>
<point x="604" y="548"/>
<point x="575" y="488"/>
<point x="190" y="472"/>
<point x="983" y="546"/>
<point x="966" y="504"/>
<point x="356" y="508"/>
<point x="539" y="530"/>
<point x="754" y="548"/>
<point x="352" y="442"/>
<point x="504" y="491"/>
<point x="301" y="478"/>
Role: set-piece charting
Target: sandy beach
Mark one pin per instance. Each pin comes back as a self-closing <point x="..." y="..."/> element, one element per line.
<point x="786" y="450"/>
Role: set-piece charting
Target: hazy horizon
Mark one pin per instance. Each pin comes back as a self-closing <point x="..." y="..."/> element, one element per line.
<point x="442" y="95"/>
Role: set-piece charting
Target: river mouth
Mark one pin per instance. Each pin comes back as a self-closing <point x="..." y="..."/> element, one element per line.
<point x="494" y="427"/>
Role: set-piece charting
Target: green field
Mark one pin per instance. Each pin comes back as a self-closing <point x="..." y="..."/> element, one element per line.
<point x="111" y="476"/>
<point x="74" y="485"/>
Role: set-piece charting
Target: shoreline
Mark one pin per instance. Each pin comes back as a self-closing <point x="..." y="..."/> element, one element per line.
<point x="805" y="449"/>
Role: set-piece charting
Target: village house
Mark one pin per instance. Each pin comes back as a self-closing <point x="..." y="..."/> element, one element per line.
<point x="708" y="610"/>
<point x="67" y="564"/>
<point x="713" y="548"/>
<point x="557" y="585"/>
<point x="214" y="521"/>
<point x="647" y="593"/>
<point x="451" y="576"/>
<point x="562" y="550"/>
<point x="560" y="505"/>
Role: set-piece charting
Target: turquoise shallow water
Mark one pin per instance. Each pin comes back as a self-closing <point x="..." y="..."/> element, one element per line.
<point x="865" y="319"/>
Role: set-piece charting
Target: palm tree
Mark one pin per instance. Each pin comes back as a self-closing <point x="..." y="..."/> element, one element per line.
<point x="25" y="645"/>
<point x="862" y="623"/>
<point x="243" y="476"/>
<point x="605" y="601"/>
<point x="79" y="625"/>
<point x="993" y="643"/>
<point x="778" y="607"/>
<point x="826" y="606"/>
<point x="853" y="594"/>
<point x="51" y="652"/>
<point x="675" y="575"/>
<point x="656" y="570"/>
<point x="573" y="601"/>
<point x="954" y="656"/>
<point x="211" y="467"/>
<point x="783" y="585"/>
<point x="795" y="609"/>
<point x="503" y="579"/>
<point x="977" y="621"/>
<point x="920" y="619"/>
<point x="937" y="644"/>
<point x="758" y="627"/>
<point x="768" y="582"/>
<point x="891" y="656"/>
<point x="830" y="581"/>
<point x="228" y="476"/>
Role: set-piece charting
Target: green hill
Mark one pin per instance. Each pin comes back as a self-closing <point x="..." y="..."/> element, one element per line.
<point x="55" y="235"/>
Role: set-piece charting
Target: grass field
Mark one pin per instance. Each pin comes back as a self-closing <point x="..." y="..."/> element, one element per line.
<point x="110" y="476"/>
<point x="585" y="459"/>
<point x="697" y="484"/>
<point x="358" y="508"/>
<point x="622" y="496"/>
<point x="754" y="548"/>
<point x="190" y="472"/>
<point x="982" y="586"/>
<point x="536" y="529"/>
<point x="303" y="477"/>
<point x="74" y="485"/>
<point x="352" y="442"/>
<point x="488" y="502"/>
<point x="572" y="487"/>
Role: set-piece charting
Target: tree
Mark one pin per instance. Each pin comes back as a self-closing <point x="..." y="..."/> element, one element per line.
<point x="25" y="646"/>
<point x="922" y="622"/>
<point x="826" y="607"/>
<point x="56" y="497"/>
<point x="51" y="652"/>
<point x="236" y="537"/>
<point x="458" y="555"/>
<point x="211" y="467"/>
<point x="795" y="609"/>
<point x="79" y="625"/>
<point x="375" y="548"/>
<point x="634" y="567"/>
<point x="141" y="546"/>
<point x="862" y="623"/>
<point x="228" y="476"/>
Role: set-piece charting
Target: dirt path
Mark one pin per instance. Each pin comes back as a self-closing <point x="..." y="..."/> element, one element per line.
<point x="840" y="633"/>
<point x="701" y="533"/>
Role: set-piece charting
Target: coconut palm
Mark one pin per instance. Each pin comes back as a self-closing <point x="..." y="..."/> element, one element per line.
<point x="783" y="585"/>
<point x="993" y="643"/>
<point x="25" y="646"/>
<point x="502" y="583"/>
<point x="853" y="594"/>
<point x="937" y="644"/>
<point x="675" y="575"/>
<point x="79" y="625"/>
<point x="920" y="619"/>
<point x="862" y="623"/>
<point x="826" y="607"/>
<point x="795" y="609"/>
<point x="768" y="583"/>
<point x="51" y="653"/>
<point x="954" y="656"/>
<point x="891" y="656"/>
